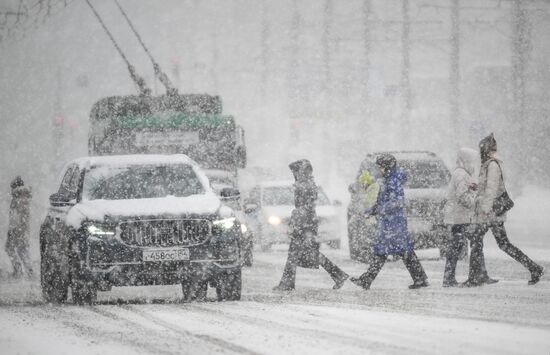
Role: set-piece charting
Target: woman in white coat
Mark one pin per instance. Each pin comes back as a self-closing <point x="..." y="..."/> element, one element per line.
<point x="491" y="186"/>
<point x="459" y="215"/>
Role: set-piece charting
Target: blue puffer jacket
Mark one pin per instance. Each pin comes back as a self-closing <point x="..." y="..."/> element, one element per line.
<point x="392" y="236"/>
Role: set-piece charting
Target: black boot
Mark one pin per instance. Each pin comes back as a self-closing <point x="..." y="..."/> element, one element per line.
<point x="535" y="276"/>
<point x="419" y="284"/>
<point x="359" y="282"/>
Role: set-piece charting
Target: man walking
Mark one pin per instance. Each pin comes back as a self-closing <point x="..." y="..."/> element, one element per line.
<point x="303" y="250"/>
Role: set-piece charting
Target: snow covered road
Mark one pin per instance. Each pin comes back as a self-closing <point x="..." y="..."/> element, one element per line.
<point x="506" y="318"/>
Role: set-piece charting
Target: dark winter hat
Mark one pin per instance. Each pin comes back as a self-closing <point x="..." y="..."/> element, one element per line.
<point x="386" y="161"/>
<point x="301" y="168"/>
<point x="487" y="145"/>
<point x="17" y="182"/>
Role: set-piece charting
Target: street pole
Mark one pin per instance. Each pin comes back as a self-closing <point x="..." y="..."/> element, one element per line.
<point x="265" y="52"/>
<point x="405" y="70"/>
<point x="454" y="75"/>
<point x="367" y="8"/>
<point x="294" y="67"/>
<point x="521" y="46"/>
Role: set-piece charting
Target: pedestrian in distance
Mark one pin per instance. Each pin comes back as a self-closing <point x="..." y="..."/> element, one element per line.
<point x="459" y="216"/>
<point x="303" y="250"/>
<point x="17" y="243"/>
<point x="489" y="211"/>
<point x="392" y="237"/>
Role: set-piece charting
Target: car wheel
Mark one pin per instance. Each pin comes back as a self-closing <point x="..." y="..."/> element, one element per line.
<point x="228" y="285"/>
<point x="53" y="281"/>
<point x="194" y="290"/>
<point x="83" y="289"/>
<point x="248" y="256"/>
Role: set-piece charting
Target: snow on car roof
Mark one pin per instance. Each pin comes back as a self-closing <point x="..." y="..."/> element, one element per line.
<point x="408" y="155"/>
<point x="276" y="183"/>
<point x="137" y="159"/>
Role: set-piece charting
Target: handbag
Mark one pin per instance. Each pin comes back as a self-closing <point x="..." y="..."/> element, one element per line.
<point x="502" y="203"/>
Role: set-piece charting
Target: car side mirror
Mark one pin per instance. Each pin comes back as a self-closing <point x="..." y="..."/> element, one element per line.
<point x="250" y="207"/>
<point x="230" y="193"/>
<point x="60" y="200"/>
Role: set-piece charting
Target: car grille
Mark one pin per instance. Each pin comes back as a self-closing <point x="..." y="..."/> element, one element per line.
<point x="165" y="233"/>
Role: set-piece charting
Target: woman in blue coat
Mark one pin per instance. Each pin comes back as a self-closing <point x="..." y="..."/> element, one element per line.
<point x="392" y="237"/>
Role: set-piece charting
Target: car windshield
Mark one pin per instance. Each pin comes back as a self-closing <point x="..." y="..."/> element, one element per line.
<point x="143" y="181"/>
<point x="425" y="174"/>
<point x="284" y="195"/>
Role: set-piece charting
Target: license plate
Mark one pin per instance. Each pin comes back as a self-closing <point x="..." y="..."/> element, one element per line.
<point x="166" y="254"/>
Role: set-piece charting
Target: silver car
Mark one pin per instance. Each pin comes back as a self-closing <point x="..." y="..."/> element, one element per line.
<point x="270" y="205"/>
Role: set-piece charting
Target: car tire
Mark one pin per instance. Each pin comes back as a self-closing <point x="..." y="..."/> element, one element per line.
<point x="229" y="285"/>
<point x="248" y="257"/>
<point x="84" y="290"/>
<point x="194" y="290"/>
<point x="53" y="281"/>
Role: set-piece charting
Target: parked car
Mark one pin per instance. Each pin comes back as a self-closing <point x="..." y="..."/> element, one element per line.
<point x="270" y="205"/>
<point x="138" y="220"/>
<point x="425" y="193"/>
<point x="220" y="180"/>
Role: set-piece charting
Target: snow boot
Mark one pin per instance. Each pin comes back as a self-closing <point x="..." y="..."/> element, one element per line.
<point x="535" y="276"/>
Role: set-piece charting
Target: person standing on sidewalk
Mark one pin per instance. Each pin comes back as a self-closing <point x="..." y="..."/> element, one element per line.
<point x="17" y="243"/>
<point x="392" y="233"/>
<point x="459" y="215"/>
<point x="491" y="188"/>
<point x="303" y="250"/>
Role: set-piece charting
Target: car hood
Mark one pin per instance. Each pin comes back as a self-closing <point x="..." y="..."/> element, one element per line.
<point x="100" y="210"/>
<point x="426" y="194"/>
<point x="286" y="211"/>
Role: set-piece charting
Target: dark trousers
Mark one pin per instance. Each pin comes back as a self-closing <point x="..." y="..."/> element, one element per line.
<point x="460" y="233"/>
<point x="289" y="273"/>
<point x="409" y="259"/>
<point x="17" y="249"/>
<point x="499" y="232"/>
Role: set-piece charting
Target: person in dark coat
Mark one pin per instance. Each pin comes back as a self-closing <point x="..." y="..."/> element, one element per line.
<point x="303" y="250"/>
<point x="17" y="243"/>
<point x="392" y="233"/>
<point x="491" y="187"/>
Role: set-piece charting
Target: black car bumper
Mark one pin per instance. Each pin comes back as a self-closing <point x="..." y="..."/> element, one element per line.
<point x="110" y="262"/>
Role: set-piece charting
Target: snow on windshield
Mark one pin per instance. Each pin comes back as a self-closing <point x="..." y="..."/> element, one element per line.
<point x="137" y="182"/>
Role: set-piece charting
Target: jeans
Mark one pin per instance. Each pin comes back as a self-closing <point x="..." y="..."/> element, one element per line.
<point x="499" y="232"/>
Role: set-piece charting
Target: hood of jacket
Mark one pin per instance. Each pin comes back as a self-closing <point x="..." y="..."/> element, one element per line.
<point x="466" y="159"/>
<point x="302" y="170"/>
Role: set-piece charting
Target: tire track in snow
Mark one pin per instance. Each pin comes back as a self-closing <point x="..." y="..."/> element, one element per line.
<point x="67" y="319"/>
<point x="208" y="338"/>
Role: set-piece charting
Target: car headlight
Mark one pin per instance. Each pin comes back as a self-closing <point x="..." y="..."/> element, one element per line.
<point x="244" y="228"/>
<point x="99" y="230"/>
<point x="274" y="220"/>
<point x="226" y="223"/>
